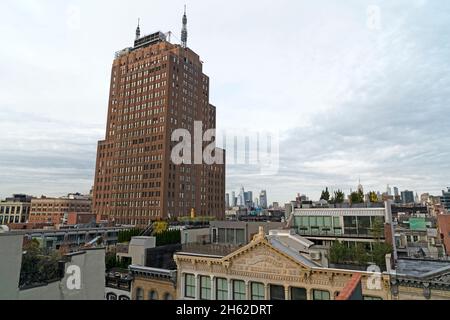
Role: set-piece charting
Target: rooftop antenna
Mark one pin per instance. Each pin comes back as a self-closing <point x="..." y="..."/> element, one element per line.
<point x="138" y="29"/>
<point x="184" y="31"/>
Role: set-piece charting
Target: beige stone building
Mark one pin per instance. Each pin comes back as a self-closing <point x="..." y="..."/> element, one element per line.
<point x="153" y="284"/>
<point x="416" y="279"/>
<point x="280" y="266"/>
<point x="15" y="209"/>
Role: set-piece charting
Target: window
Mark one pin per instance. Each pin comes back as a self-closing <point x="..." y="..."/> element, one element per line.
<point x="364" y="225"/>
<point x="230" y="236"/>
<point x="240" y="236"/>
<point x="239" y="290"/>
<point x="189" y="287"/>
<point x="320" y="221"/>
<point x="153" y="295"/>
<point x="277" y="292"/>
<point x="168" y="296"/>
<point x="205" y="285"/>
<point x="222" y="236"/>
<point x="321" y="295"/>
<point x="328" y="222"/>
<point x="215" y="236"/>
<point x="350" y="227"/>
<point x="222" y="289"/>
<point x="139" y="294"/>
<point x="111" y="296"/>
<point x="298" y="294"/>
<point x="258" y="291"/>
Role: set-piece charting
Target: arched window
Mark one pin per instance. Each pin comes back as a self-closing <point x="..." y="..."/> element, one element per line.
<point x="111" y="296"/>
<point x="168" y="296"/>
<point x="153" y="295"/>
<point x="139" y="294"/>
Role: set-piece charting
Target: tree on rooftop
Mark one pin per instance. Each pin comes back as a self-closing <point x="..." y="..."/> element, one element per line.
<point x="373" y="197"/>
<point x="325" y="195"/>
<point x="357" y="197"/>
<point x="339" y="196"/>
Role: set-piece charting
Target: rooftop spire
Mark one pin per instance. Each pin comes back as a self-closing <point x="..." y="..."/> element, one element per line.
<point x="138" y="29"/>
<point x="184" y="31"/>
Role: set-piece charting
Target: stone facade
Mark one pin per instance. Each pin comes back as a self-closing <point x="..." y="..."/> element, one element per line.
<point x="152" y="288"/>
<point x="260" y="263"/>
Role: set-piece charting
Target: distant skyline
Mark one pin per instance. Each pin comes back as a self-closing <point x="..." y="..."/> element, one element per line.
<point x="356" y="89"/>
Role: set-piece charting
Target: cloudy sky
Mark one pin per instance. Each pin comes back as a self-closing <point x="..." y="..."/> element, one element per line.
<point x="359" y="89"/>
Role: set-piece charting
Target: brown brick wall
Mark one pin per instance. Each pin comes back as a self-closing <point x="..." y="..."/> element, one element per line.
<point x="444" y="229"/>
<point x="155" y="90"/>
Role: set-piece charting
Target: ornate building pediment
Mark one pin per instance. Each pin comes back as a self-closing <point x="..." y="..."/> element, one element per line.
<point x="261" y="257"/>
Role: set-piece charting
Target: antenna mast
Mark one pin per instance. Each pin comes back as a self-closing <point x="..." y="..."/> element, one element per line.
<point x="184" y="31"/>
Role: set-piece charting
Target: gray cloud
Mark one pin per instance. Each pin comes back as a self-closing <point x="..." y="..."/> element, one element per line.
<point x="349" y="102"/>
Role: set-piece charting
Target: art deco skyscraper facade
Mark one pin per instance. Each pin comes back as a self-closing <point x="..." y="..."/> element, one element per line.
<point x="156" y="87"/>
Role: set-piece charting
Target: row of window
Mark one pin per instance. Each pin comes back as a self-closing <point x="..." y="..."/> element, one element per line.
<point x="319" y="225"/>
<point x="152" y="295"/>
<point x="257" y="290"/>
<point x="12" y="219"/>
<point x="14" y="209"/>
<point x="239" y="291"/>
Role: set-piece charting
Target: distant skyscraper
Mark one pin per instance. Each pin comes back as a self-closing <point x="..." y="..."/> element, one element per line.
<point x="257" y="202"/>
<point x="396" y="192"/>
<point x="445" y="199"/>
<point x="263" y="199"/>
<point x="242" y="197"/>
<point x="407" y="197"/>
<point x="249" y="199"/>
<point x="389" y="190"/>
<point x="233" y="199"/>
<point x="360" y="187"/>
<point x="227" y="201"/>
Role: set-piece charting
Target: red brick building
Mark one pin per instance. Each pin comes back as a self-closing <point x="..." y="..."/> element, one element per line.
<point x="156" y="88"/>
<point x="56" y="210"/>
<point x="444" y="229"/>
<point x="74" y="218"/>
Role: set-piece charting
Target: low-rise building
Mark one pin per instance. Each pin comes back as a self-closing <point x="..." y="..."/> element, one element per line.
<point x="238" y="232"/>
<point x="56" y="210"/>
<point x="279" y="266"/>
<point x="81" y="274"/>
<point x="444" y="231"/>
<point x="136" y="251"/>
<point x="80" y="218"/>
<point x="324" y="226"/>
<point x="195" y="235"/>
<point x="118" y="285"/>
<point x="153" y="283"/>
<point x="15" y="209"/>
<point x="420" y="279"/>
<point x="73" y="238"/>
<point x="418" y="237"/>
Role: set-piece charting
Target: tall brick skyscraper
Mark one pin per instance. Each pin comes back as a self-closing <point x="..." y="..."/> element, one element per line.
<point x="156" y="88"/>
